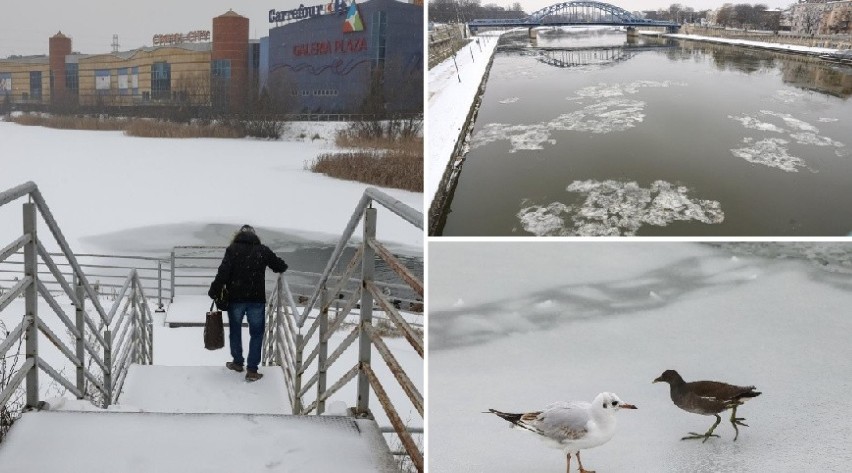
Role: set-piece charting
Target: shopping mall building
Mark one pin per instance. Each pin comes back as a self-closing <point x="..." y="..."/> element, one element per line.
<point x="338" y="57"/>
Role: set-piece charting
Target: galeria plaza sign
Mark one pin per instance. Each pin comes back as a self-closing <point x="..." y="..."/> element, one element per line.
<point x="335" y="6"/>
<point x="178" y="38"/>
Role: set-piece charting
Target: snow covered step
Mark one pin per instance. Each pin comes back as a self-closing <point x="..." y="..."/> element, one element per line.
<point x="133" y="442"/>
<point x="203" y="389"/>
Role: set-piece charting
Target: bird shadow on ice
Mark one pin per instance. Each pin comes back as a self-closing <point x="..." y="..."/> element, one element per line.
<point x="544" y="309"/>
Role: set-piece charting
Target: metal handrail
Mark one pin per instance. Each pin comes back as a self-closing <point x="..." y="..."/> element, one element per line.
<point x="296" y="348"/>
<point x="89" y="345"/>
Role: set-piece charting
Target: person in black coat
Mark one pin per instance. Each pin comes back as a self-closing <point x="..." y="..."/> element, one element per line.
<point x="242" y="275"/>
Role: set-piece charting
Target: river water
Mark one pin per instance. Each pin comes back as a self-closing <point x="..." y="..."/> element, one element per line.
<point x="592" y="133"/>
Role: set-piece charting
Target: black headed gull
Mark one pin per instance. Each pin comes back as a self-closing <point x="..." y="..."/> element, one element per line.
<point x="572" y="426"/>
<point x="707" y="398"/>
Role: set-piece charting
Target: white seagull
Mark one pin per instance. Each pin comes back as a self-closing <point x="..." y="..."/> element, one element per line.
<point x="572" y="426"/>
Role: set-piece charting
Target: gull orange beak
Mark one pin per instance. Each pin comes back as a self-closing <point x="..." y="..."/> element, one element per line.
<point x="628" y="406"/>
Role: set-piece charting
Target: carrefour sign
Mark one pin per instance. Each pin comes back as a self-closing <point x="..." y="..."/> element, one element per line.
<point x="335" y="6"/>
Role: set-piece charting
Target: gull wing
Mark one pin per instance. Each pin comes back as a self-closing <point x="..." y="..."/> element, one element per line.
<point x="560" y="421"/>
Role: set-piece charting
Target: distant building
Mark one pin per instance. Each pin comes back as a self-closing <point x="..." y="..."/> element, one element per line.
<point x="335" y="57"/>
<point x="821" y="17"/>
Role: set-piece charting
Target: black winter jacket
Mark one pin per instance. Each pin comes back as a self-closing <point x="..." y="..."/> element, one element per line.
<point x="243" y="267"/>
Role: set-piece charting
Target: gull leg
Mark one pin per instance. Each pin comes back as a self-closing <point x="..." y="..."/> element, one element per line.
<point x="582" y="470"/>
<point x="735" y="421"/>
<point x="706" y="435"/>
<point x="568" y="459"/>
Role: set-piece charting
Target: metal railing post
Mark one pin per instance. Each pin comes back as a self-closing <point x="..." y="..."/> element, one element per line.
<point x="368" y="263"/>
<point x="159" y="286"/>
<point x="31" y="302"/>
<point x="297" y="384"/>
<point x="134" y="323"/>
<point x="323" y="351"/>
<point x="108" y="371"/>
<point x="81" y="329"/>
<point x="172" y="295"/>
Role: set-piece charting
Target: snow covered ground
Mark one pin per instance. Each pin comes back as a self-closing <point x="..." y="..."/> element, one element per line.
<point x="453" y="85"/>
<point x="119" y="194"/>
<point x="516" y="326"/>
<point x="753" y="44"/>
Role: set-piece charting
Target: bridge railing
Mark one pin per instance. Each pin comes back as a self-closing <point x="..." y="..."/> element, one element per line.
<point x="305" y="355"/>
<point x="98" y="345"/>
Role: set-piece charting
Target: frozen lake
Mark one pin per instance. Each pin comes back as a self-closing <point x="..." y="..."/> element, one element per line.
<point x="595" y="134"/>
<point x="516" y="326"/>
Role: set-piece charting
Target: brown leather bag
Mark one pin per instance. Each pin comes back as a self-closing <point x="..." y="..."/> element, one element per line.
<point x="214" y="330"/>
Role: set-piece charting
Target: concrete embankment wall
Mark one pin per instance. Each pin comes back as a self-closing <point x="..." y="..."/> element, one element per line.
<point x="817" y="41"/>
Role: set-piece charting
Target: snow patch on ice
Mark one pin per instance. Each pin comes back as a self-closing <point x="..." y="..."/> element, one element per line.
<point x="770" y="152"/>
<point x="613" y="208"/>
<point x="827" y="120"/>
<point x="509" y="100"/>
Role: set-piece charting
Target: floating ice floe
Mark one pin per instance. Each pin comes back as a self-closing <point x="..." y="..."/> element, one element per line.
<point x="604" y="90"/>
<point x="807" y="138"/>
<point x="613" y="208"/>
<point x="788" y="96"/>
<point x="770" y="152"/>
<point x="509" y="100"/>
<point x="755" y="124"/>
<point x="791" y="121"/>
<point x="602" y="117"/>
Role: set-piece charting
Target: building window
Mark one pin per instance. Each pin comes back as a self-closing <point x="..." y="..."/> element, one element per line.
<point x="72" y="78"/>
<point x="380" y="26"/>
<point x="221" y="69"/>
<point x="220" y="74"/>
<point x="161" y="81"/>
<point x="5" y="83"/>
<point x="35" y="85"/>
<point x="102" y="81"/>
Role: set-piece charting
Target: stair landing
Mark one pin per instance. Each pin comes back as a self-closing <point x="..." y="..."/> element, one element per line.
<point x="131" y="442"/>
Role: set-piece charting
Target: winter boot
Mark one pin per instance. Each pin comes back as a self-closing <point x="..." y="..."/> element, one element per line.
<point x="253" y="376"/>
<point x="235" y="367"/>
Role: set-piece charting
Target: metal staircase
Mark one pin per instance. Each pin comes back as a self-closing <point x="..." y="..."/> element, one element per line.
<point x="107" y="346"/>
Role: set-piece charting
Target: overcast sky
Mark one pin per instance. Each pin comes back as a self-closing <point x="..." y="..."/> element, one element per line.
<point x="26" y="25"/>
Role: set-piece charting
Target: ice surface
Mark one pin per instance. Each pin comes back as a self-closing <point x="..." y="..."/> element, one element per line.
<point x="785" y="330"/>
<point x="613" y="208"/>
<point x="124" y="192"/>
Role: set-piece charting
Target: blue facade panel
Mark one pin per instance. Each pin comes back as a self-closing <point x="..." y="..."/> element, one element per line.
<point x="314" y="66"/>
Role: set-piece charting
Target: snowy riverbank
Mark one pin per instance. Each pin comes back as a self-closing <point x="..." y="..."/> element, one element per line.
<point x="787" y="48"/>
<point x="453" y="86"/>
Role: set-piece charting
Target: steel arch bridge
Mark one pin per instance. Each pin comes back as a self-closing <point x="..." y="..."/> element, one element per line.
<point x="575" y="14"/>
